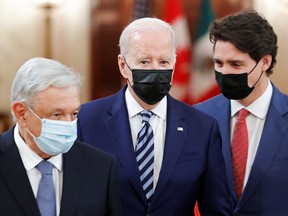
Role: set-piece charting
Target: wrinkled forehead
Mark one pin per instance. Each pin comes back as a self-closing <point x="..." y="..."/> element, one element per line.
<point x="158" y="43"/>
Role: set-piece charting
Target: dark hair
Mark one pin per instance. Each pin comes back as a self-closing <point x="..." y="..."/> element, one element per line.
<point x="249" y="32"/>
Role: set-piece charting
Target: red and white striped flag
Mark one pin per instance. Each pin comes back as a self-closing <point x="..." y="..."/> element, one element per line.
<point x="173" y="14"/>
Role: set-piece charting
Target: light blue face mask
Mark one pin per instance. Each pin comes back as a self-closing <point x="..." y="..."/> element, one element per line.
<point x="56" y="137"/>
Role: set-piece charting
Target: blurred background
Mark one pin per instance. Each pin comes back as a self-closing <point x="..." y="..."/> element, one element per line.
<point x="83" y="34"/>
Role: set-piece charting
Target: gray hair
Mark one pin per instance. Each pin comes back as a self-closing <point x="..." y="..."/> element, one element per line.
<point x="37" y="74"/>
<point x="146" y="24"/>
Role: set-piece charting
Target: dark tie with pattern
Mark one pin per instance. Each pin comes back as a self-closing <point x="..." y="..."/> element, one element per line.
<point x="46" y="198"/>
<point x="239" y="151"/>
<point x="145" y="154"/>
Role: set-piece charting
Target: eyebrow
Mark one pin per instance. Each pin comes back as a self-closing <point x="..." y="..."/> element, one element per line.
<point x="62" y="110"/>
<point x="229" y="61"/>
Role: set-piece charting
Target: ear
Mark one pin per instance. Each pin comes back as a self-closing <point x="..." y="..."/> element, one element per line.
<point x="266" y="60"/>
<point x="20" y="111"/>
<point x="122" y="65"/>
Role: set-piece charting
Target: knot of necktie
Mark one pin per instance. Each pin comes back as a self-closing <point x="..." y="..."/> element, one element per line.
<point x="45" y="167"/>
<point x="243" y="113"/>
<point x="146" y="115"/>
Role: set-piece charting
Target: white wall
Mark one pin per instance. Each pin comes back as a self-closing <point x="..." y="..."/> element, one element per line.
<point x="276" y="12"/>
<point x="22" y="37"/>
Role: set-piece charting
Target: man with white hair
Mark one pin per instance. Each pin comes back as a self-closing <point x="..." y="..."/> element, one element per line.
<point x="169" y="154"/>
<point x="43" y="170"/>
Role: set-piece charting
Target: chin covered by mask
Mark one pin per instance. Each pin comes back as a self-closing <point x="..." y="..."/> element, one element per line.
<point x="56" y="137"/>
<point x="151" y="85"/>
<point x="235" y="86"/>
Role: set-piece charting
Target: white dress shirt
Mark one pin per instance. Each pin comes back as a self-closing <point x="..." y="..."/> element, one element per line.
<point x="30" y="160"/>
<point x="255" y="123"/>
<point x="158" y="124"/>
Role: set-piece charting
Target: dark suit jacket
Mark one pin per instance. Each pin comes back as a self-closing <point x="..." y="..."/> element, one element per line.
<point x="266" y="192"/>
<point x="90" y="185"/>
<point x="192" y="168"/>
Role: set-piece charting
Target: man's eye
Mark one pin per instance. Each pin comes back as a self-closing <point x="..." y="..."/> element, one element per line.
<point x="164" y="62"/>
<point x="55" y="116"/>
<point x="75" y="114"/>
<point x="236" y="65"/>
<point x="218" y="63"/>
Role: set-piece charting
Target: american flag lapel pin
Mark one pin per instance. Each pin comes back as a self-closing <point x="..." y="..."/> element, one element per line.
<point x="180" y="129"/>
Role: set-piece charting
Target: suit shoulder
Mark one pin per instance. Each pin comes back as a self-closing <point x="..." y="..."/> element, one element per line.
<point x="278" y="93"/>
<point x="192" y="113"/>
<point x="92" y="152"/>
<point x="209" y="105"/>
<point x="7" y="139"/>
<point x="211" y="101"/>
<point x="99" y="106"/>
<point x="94" y="110"/>
<point x="97" y="103"/>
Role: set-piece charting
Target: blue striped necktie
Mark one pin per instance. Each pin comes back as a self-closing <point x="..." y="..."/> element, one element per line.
<point x="145" y="154"/>
<point x="46" y="198"/>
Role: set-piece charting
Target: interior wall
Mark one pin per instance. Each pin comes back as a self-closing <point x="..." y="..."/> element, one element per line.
<point x="22" y="30"/>
<point x="21" y="37"/>
<point x="276" y="12"/>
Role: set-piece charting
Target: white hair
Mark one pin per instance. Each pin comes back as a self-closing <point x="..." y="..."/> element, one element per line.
<point x="146" y="24"/>
<point x="37" y="74"/>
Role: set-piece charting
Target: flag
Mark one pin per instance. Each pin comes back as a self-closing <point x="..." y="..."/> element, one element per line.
<point x="202" y="84"/>
<point x="173" y="14"/>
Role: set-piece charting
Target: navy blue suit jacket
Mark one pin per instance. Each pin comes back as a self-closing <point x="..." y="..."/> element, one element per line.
<point x="266" y="192"/>
<point x="90" y="184"/>
<point x="192" y="168"/>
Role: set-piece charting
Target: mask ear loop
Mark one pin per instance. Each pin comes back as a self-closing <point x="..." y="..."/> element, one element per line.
<point x="126" y="63"/>
<point x="30" y="132"/>
<point x="258" y="77"/>
<point x="253" y="68"/>
<point x="36" y="117"/>
<point x="128" y="68"/>
<point x="34" y="113"/>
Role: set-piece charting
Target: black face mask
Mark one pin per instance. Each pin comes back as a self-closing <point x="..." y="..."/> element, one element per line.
<point x="235" y="86"/>
<point x="151" y="86"/>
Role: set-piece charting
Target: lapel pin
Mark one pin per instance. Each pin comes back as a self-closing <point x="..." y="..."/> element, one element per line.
<point x="180" y="129"/>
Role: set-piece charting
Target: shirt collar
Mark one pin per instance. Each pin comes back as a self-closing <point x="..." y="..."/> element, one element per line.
<point x="134" y="108"/>
<point x="29" y="157"/>
<point x="259" y="107"/>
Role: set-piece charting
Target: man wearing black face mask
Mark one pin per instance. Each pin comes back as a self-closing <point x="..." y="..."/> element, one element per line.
<point x="252" y="114"/>
<point x="151" y="86"/>
<point x="169" y="153"/>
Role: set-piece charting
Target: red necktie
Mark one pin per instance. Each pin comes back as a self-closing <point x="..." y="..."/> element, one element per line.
<point x="239" y="151"/>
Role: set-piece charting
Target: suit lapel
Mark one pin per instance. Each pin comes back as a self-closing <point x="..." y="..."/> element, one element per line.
<point x="14" y="174"/>
<point x="173" y="144"/>
<point x="72" y="181"/>
<point x="273" y="132"/>
<point x="119" y="128"/>
<point x="222" y="114"/>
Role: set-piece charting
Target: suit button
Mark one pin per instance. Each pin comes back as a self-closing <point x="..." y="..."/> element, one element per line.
<point x="236" y="214"/>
